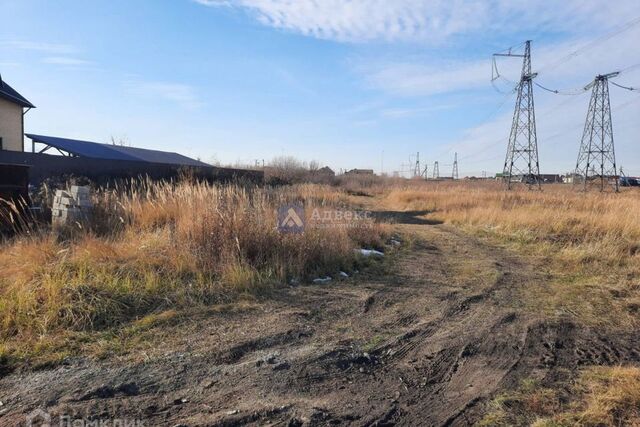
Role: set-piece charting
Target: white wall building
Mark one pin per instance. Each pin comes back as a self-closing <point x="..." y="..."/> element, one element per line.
<point x="13" y="107"/>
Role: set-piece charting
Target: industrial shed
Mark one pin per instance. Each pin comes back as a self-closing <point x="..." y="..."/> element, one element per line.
<point x="104" y="163"/>
<point x="94" y="150"/>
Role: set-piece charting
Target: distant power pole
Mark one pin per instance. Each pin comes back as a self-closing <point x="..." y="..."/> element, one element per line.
<point x="454" y="174"/>
<point x="416" y="169"/>
<point x="436" y="171"/>
<point x="521" y="163"/>
<point x="597" y="158"/>
<point x="425" y="172"/>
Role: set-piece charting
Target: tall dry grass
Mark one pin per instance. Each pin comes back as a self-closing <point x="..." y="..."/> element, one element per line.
<point x="155" y="247"/>
<point x="587" y="226"/>
<point x="589" y="242"/>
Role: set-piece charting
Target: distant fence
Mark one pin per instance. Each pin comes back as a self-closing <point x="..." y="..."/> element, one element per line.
<point x="43" y="166"/>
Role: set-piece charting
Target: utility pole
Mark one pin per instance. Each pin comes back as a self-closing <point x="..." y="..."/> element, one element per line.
<point x="521" y="163"/>
<point x="454" y="174"/>
<point x="425" y="172"/>
<point x="436" y="171"/>
<point x="416" y="169"/>
<point x="597" y="158"/>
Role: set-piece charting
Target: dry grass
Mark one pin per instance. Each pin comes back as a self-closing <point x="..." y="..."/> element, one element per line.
<point x="601" y="396"/>
<point x="163" y="247"/>
<point x="589" y="243"/>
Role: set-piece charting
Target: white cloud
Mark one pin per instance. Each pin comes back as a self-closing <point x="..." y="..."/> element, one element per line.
<point x="181" y="94"/>
<point x="427" y="20"/>
<point x="422" y="79"/>
<point x="64" y="60"/>
<point x="558" y="65"/>
<point x="50" y="48"/>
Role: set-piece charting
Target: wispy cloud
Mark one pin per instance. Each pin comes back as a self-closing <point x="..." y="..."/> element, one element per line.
<point x="65" y="60"/>
<point x="557" y="64"/>
<point x="420" y="20"/>
<point x="50" y="48"/>
<point x="178" y="93"/>
<point x="419" y="79"/>
<point x="408" y="112"/>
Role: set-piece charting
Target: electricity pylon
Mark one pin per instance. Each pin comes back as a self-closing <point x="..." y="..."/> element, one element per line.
<point x="436" y="171"/>
<point x="597" y="158"/>
<point x="521" y="163"/>
<point x="454" y="173"/>
<point x="416" y="169"/>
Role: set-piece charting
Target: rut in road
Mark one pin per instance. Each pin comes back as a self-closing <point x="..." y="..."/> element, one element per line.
<point x="426" y="344"/>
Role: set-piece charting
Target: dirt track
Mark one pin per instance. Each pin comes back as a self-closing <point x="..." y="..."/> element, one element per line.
<point x="427" y="344"/>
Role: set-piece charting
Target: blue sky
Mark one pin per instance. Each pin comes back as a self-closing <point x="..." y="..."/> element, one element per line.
<point x="346" y="83"/>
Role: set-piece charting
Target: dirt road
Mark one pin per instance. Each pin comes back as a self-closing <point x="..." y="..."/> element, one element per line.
<point x="426" y="344"/>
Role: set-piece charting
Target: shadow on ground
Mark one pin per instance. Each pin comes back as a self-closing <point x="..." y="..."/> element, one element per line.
<point x="405" y="217"/>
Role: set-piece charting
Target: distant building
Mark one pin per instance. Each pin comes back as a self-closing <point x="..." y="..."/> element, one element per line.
<point x="359" y="172"/>
<point x="13" y="107"/>
<point x="550" y="178"/>
<point x="325" y="171"/>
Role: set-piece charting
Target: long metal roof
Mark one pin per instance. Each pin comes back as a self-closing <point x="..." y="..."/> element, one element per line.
<point x="10" y="94"/>
<point x="114" y="152"/>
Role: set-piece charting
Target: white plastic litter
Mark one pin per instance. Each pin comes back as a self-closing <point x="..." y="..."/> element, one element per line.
<point x="343" y="274"/>
<point x="322" y="280"/>
<point x="369" y="252"/>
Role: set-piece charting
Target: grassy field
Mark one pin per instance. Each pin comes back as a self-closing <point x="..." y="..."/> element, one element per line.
<point x="157" y="252"/>
<point x="588" y="242"/>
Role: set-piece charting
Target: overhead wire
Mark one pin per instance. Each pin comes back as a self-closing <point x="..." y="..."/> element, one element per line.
<point x="623" y="87"/>
<point x="495" y="75"/>
<point x="566" y="92"/>
<point x="625" y="27"/>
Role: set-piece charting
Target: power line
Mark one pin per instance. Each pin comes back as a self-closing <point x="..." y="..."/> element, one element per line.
<point x="624" y="87"/>
<point x="436" y="170"/>
<point x="521" y="163"/>
<point x="597" y="158"/>
<point x="473" y="159"/>
<point x="580" y="50"/>
<point x="454" y="173"/>
<point x="567" y="92"/>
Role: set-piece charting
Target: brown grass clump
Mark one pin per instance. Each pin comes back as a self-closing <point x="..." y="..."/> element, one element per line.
<point x="159" y="247"/>
<point x="601" y="396"/>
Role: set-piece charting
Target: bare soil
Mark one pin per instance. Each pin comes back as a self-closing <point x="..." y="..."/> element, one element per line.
<point x="427" y="343"/>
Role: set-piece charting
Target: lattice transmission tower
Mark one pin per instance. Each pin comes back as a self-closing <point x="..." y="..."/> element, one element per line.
<point x="597" y="158"/>
<point x="454" y="173"/>
<point x="416" y="169"/>
<point x="436" y="170"/>
<point x="521" y="163"/>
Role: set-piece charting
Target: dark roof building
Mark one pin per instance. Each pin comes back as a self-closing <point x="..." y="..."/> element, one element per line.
<point x="10" y="94"/>
<point x="326" y="171"/>
<point x="96" y="150"/>
<point x="359" y="172"/>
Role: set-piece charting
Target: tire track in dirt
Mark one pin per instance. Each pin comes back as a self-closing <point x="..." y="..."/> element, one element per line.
<point x="427" y="344"/>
